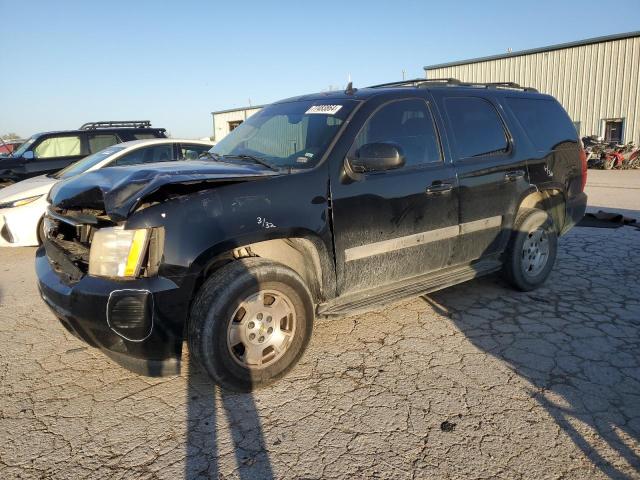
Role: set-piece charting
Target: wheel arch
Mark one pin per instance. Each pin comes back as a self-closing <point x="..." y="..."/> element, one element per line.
<point x="552" y="200"/>
<point x="304" y="253"/>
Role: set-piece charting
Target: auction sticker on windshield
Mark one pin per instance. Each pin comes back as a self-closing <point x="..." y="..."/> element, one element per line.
<point x="324" y="109"/>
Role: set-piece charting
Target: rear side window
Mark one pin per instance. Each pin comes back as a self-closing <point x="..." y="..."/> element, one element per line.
<point x="545" y="122"/>
<point x="157" y="153"/>
<point x="144" y="136"/>
<point x="191" y="151"/>
<point x="476" y="126"/>
<point x="99" y="141"/>
<point x="409" y="124"/>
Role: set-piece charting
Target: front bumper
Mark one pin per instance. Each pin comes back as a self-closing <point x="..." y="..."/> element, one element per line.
<point x="86" y="309"/>
<point x="19" y="225"/>
<point x="574" y="211"/>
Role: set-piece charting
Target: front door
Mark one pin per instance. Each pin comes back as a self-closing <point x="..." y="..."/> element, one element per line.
<point x="52" y="154"/>
<point x="399" y="223"/>
<point x="491" y="176"/>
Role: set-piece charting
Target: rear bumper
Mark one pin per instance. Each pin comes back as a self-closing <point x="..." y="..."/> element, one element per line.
<point x="574" y="211"/>
<point x="86" y="309"/>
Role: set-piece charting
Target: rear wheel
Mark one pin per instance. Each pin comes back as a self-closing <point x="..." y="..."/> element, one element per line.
<point x="250" y="323"/>
<point x="532" y="250"/>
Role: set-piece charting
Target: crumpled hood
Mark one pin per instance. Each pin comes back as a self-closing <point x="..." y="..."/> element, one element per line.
<point x="118" y="190"/>
<point x="27" y="188"/>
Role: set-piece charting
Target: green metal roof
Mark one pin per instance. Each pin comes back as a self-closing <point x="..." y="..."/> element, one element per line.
<point x="559" y="46"/>
<point x="239" y="109"/>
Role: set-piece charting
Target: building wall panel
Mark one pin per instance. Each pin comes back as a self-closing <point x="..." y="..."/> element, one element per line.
<point x="593" y="82"/>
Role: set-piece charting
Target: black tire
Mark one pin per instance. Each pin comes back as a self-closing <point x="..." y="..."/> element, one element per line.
<point x="213" y="310"/>
<point x="529" y="221"/>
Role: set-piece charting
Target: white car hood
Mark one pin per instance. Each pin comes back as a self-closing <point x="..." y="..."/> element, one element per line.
<point x="27" y="188"/>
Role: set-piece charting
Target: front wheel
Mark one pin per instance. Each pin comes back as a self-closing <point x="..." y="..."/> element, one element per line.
<point x="532" y="249"/>
<point x="250" y="323"/>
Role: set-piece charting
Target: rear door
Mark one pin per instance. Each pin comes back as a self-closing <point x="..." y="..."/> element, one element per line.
<point x="98" y="141"/>
<point x="492" y="173"/>
<point x="400" y="223"/>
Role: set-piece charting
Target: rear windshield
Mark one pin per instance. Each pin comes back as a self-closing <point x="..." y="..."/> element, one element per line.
<point x="292" y="134"/>
<point x="545" y="122"/>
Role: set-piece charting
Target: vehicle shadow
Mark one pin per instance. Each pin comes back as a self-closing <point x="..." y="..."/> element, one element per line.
<point x="574" y="341"/>
<point x="219" y="425"/>
<point x="223" y="427"/>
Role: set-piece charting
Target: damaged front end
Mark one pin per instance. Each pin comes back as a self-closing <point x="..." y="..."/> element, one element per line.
<point x="67" y="241"/>
<point x="102" y="276"/>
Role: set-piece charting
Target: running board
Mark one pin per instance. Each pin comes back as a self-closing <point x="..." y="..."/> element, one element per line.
<point x="357" y="302"/>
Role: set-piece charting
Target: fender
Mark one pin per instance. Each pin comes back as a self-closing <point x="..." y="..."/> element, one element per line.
<point x="321" y="264"/>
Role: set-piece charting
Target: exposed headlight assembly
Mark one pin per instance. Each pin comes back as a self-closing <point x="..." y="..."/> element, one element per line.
<point x="116" y="252"/>
<point x="20" y="202"/>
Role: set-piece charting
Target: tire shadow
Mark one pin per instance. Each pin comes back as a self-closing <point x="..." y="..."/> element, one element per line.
<point x="580" y="356"/>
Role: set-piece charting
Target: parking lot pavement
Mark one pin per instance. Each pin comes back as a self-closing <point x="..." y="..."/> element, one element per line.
<point x="617" y="190"/>
<point x="476" y="381"/>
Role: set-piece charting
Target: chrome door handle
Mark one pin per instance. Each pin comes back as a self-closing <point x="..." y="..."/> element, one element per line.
<point x="439" y="189"/>
<point x="513" y="176"/>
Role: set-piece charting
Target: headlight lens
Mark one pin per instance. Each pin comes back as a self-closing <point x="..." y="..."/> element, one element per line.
<point x="20" y="202"/>
<point x="116" y="252"/>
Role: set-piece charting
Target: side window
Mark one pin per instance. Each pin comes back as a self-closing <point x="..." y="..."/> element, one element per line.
<point x="99" y="141"/>
<point x="544" y="121"/>
<point x="144" y="136"/>
<point x="157" y="153"/>
<point x="477" y="128"/>
<point x="192" y="151"/>
<point x="67" y="146"/>
<point x="409" y="124"/>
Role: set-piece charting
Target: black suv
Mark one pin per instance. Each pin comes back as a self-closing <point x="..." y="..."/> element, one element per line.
<point x="49" y="152"/>
<point x="320" y="205"/>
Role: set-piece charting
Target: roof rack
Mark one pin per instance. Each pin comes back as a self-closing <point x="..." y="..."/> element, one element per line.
<point x="414" y="82"/>
<point x="430" y="82"/>
<point x="116" y="124"/>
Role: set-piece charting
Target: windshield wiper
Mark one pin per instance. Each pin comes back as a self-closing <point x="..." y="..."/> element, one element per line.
<point x="213" y="156"/>
<point x="254" y="159"/>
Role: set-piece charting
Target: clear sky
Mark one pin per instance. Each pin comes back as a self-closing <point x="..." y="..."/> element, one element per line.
<point x="68" y="62"/>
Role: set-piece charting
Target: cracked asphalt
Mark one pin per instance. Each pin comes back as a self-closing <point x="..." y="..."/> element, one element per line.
<point x="476" y="381"/>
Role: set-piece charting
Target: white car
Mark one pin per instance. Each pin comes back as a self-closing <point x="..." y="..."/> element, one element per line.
<point x="23" y="204"/>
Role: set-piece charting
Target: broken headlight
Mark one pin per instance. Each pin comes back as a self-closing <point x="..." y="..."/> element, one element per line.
<point x="116" y="252"/>
<point x="20" y="202"/>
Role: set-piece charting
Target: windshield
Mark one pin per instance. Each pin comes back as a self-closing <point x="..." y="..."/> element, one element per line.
<point x="86" y="163"/>
<point x="23" y="148"/>
<point x="292" y="134"/>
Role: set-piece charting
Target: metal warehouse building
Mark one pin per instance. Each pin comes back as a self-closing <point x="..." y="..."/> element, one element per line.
<point x="226" y="120"/>
<point x="596" y="80"/>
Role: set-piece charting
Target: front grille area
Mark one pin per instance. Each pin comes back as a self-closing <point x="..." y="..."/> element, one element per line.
<point x="68" y="237"/>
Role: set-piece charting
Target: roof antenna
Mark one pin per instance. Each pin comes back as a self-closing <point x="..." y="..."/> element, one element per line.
<point x="350" y="90"/>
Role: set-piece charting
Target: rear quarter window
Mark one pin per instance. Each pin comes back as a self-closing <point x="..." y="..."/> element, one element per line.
<point x="477" y="127"/>
<point x="545" y="122"/>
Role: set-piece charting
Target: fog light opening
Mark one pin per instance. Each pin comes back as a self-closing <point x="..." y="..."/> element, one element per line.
<point x="130" y="314"/>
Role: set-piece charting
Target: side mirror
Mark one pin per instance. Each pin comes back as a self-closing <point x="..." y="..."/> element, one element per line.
<point x="376" y="157"/>
<point x="28" y="155"/>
